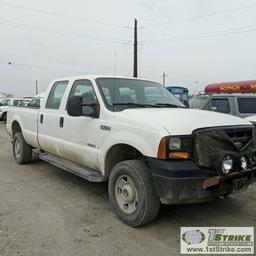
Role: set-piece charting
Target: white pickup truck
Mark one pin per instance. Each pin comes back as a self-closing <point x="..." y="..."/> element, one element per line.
<point x="137" y="136"/>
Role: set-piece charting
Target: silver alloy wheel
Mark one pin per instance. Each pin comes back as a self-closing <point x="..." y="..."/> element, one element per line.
<point x="17" y="148"/>
<point x="126" y="194"/>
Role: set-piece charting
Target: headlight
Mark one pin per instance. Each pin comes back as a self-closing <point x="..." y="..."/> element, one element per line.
<point x="175" y="147"/>
<point x="227" y="164"/>
<point x="244" y="162"/>
<point x="175" y="143"/>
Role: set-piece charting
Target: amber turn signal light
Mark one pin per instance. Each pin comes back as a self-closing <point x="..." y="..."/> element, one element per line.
<point x="179" y="155"/>
<point x="161" y="154"/>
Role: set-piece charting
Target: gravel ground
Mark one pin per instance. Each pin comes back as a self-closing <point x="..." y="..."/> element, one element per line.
<point x="46" y="211"/>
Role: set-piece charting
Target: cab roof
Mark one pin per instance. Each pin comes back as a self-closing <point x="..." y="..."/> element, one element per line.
<point x="97" y="76"/>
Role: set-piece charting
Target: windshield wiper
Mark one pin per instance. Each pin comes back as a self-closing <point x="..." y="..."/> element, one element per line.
<point x="136" y="105"/>
<point x="169" y="105"/>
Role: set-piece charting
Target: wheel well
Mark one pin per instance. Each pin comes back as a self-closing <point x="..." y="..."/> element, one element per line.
<point x="15" y="128"/>
<point x="119" y="153"/>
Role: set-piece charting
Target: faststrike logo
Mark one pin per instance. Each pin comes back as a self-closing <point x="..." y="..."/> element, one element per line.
<point x="217" y="237"/>
<point x="217" y="240"/>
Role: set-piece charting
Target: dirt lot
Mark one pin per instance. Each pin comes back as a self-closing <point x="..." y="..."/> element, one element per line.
<point x="46" y="211"/>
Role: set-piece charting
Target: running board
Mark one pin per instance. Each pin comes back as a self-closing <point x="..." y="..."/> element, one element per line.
<point x="79" y="170"/>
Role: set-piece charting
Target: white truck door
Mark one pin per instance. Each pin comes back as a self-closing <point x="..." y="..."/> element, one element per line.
<point x="49" y="130"/>
<point x="81" y="134"/>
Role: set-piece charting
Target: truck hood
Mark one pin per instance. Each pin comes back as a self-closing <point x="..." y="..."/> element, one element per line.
<point x="179" y="121"/>
<point x="3" y="108"/>
<point x="251" y="118"/>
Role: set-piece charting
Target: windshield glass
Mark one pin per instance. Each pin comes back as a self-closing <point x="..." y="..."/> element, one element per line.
<point x="121" y="93"/>
<point x="197" y="101"/>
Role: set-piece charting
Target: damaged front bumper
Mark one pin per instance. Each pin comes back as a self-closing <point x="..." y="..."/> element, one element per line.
<point x="181" y="182"/>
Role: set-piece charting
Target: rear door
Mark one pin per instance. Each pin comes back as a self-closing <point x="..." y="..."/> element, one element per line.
<point x="49" y="123"/>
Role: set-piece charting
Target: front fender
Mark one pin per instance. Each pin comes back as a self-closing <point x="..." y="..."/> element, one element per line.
<point x="145" y="147"/>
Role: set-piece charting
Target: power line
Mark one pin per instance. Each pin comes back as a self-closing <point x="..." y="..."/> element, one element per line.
<point x="205" y="35"/>
<point x="61" y="32"/>
<point x="79" y="65"/>
<point x="64" y="15"/>
<point x="39" y="67"/>
<point x="200" y="16"/>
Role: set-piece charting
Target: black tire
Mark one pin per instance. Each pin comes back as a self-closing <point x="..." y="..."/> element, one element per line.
<point x="148" y="203"/>
<point x="4" y="117"/>
<point x="23" y="155"/>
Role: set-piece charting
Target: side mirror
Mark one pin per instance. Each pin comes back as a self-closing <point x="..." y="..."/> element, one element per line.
<point x="74" y="107"/>
<point x="81" y="106"/>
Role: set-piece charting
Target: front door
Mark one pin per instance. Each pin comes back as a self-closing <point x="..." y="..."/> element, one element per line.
<point x="80" y="134"/>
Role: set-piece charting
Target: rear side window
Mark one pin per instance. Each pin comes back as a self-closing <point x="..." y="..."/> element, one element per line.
<point x="247" y="105"/>
<point x="56" y="94"/>
<point x="221" y="105"/>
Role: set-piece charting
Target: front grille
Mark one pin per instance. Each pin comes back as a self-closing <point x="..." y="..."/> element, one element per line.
<point x="240" y="137"/>
<point x="212" y="143"/>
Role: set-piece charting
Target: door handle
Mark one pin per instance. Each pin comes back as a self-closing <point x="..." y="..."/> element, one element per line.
<point x="61" y="122"/>
<point x="41" y="118"/>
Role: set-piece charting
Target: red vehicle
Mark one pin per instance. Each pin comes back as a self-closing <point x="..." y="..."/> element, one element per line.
<point x="232" y="87"/>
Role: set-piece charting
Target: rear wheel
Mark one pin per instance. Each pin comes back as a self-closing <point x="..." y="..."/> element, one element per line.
<point x="132" y="194"/>
<point x="22" y="152"/>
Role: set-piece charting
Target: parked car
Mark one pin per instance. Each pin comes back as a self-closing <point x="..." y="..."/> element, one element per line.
<point x="241" y="105"/>
<point x="34" y="102"/>
<point x="137" y="136"/>
<point x="5" y="104"/>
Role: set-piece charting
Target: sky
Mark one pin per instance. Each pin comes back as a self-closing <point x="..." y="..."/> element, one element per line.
<point x="195" y="42"/>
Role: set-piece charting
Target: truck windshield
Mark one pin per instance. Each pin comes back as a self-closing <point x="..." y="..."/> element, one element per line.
<point x="122" y="93"/>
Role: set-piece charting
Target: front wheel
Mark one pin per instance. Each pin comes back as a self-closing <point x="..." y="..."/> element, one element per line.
<point x="131" y="193"/>
<point x="22" y="152"/>
<point x="4" y="117"/>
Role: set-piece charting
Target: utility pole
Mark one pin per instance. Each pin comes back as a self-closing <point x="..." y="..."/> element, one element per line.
<point x="36" y="87"/>
<point x="135" y="57"/>
<point x="164" y="76"/>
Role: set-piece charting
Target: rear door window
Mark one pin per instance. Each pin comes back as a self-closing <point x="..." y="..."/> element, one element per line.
<point x="56" y="94"/>
<point x="247" y="105"/>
